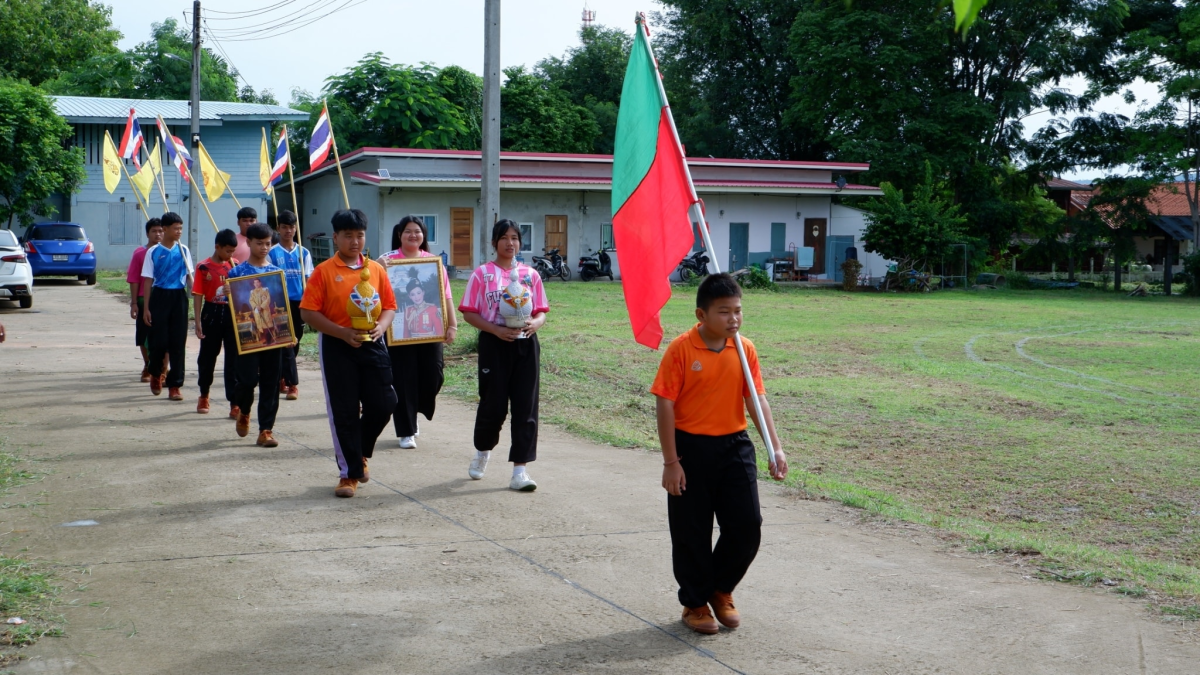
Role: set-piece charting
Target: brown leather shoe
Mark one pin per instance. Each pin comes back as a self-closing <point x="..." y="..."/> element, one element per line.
<point x="266" y="440"/>
<point x="145" y="374"/>
<point x="293" y="393"/>
<point x="243" y="424"/>
<point x="366" y="473"/>
<point x="346" y="488"/>
<point x="722" y="606"/>
<point x="234" y="412"/>
<point x="174" y="394"/>
<point x="202" y="405"/>
<point x="701" y="620"/>
<point x="283" y="386"/>
<point x="155" y="385"/>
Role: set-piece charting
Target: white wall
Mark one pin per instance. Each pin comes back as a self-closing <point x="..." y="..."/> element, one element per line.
<point x="848" y="221"/>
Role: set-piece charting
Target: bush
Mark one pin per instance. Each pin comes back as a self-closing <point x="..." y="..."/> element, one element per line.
<point x="757" y="277"/>
<point x="1191" y="270"/>
<point x="1018" y="280"/>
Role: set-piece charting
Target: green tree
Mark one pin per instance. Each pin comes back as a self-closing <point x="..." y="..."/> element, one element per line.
<point x="34" y="159"/>
<point x="922" y="230"/>
<point x="538" y="117"/>
<point x="1114" y="215"/>
<point x="591" y="76"/>
<point x="42" y="39"/>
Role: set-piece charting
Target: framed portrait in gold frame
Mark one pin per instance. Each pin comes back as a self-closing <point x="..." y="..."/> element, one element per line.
<point x="262" y="315"/>
<point x="421" y="309"/>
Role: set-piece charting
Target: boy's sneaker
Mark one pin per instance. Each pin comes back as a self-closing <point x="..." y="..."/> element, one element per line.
<point x="174" y="394"/>
<point x="234" y="412"/>
<point x="408" y="442"/>
<point x="282" y="387"/>
<point x="346" y="488"/>
<point x="202" y="405"/>
<point x="293" y="392"/>
<point x="478" y="466"/>
<point x="155" y="385"/>
<point x="145" y="374"/>
<point x="243" y="424"/>
<point x="266" y="440"/>
<point x="701" y="620"/>
<point x="722" y="606"/>
<point x="366" y="472"/>
<point x="417" y="431"/>
<point x="522" y="483"/>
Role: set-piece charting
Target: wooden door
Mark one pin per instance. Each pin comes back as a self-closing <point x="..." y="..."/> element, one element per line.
<point x="462" y="222"/>
<point x="556" y="234"/>
<point x="814" y="236"/>
<point x="739" y="246"/>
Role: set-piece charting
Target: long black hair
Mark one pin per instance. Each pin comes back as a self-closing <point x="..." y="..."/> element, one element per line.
<point x="501" y="228"/>
<point x="398" y="230"/>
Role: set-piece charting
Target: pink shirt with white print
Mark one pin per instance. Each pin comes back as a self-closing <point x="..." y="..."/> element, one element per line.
<point x="399" y="253"/>
<point x="483" y="291"/>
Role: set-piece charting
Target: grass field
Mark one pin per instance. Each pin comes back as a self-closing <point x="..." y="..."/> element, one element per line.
<point x="1060" y="423"/>
<point x="1056" y="424"/>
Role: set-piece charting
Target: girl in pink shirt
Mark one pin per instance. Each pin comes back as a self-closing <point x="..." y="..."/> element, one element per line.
<point x="509" y="358"/>
<point x="417" y="370"/>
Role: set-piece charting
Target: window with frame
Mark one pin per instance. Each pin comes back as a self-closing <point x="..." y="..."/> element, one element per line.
<point x="606" y="237"/>
<point x="526" y="236"/>
<point x="430" y="226"/>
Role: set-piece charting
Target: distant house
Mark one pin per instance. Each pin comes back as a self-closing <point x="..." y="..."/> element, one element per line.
<point x="1169" y="228"/>
<point x="232" y="133"/>
<point x="757" y="209"/>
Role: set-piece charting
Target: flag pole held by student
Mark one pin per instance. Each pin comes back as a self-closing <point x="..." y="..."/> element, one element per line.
<point x="321" y="143"/>
<point x="112" y="159"/>
<point x="654" y="204"/>
<point x="183" y="161"/>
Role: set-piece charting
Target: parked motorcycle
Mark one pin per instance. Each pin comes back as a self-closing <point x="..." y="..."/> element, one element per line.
<point x="599" y="265"/>
<point x="695" y="265"/>
<point x="552" y="265"/>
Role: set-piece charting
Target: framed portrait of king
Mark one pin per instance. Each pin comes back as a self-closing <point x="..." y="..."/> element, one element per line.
<point x="420" y="301"/>
<point x="262" y="316"/>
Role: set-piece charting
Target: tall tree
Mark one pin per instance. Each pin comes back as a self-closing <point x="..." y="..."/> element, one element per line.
<point x="34" y="159"/>
<point x="591" y="76"/>
<point x="538" y="117"/>
<point x="42" y="39"/>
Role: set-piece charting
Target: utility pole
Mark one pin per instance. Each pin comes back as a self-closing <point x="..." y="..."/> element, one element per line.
<point x="491" y="123"/>
<point x="193" y="205"/>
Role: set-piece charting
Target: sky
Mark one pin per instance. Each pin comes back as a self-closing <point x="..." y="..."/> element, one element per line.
<point x="441" y="32"/>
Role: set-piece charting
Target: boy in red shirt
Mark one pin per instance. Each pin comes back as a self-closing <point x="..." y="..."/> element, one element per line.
<point x="137" y="298"/>
<point x="214" y="324"/>
<point x="708" y="458"/>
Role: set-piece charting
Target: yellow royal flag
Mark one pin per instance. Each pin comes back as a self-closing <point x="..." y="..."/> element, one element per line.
<point x="215" y="179"/>
<point x="143" y="180"/>
<point x="156" y="159"/>
<point x="264" y="165"/>
<point x="112" y="165"/>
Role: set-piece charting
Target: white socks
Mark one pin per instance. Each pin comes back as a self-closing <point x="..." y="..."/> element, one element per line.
<point x="518" y="471"/>
<point x="483" y="454"/>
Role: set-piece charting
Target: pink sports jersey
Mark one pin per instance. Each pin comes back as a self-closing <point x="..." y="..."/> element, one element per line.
<point x="483" y="291"/>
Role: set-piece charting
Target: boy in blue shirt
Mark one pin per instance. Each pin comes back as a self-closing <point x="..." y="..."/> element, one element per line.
<point x="166" y="278"/>
<point x="259" y="369"/>
<point x="296" y="262"/>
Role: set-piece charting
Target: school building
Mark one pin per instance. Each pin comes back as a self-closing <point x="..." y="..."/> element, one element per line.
<point x="231" y="132"/>
<point x="758" y="210"/>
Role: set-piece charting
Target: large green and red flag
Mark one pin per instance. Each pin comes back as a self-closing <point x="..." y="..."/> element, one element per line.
<point x="651" y="193"/>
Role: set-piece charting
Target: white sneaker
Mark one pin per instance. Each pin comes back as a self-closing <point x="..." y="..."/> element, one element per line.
<point x="408" y="442"/>
<point x="522" y="483"/>
<point x="478" y="466"/>
<point x="418" y="431"/>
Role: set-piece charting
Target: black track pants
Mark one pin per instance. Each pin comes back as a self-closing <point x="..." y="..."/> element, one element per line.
<point x="168" y="332"/>
<point x="509" y="373"/>
<point x="721" y="481"/>
<point x="291" y="376"/>
<point x="356" y="376"/>
<point x="217" y="325"/>
<point x="417" y="378"/>
<point x="259" y="369"/>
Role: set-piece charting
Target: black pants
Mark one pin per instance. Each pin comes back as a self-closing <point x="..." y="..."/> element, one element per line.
<point x="417" y="378"/>
<point x="353" y="377"/>
<point x="509" y="373"/>
<point x="168" y="332"/>
<point x="291" y="377"/>
<point x="721" y="480"/>
<point x="141" y="332"/>
<point x="259" y="369"/>
<point x="217" y="325"/>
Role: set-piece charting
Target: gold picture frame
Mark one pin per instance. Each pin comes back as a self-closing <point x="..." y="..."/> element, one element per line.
<point x="417" y="322"/>
<point x="250" y="309"/>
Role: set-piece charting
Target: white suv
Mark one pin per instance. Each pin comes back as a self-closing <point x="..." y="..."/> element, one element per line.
<point x="16" y="276"/>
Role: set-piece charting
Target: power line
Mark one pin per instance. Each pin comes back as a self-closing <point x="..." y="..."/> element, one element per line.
<point x="235" y="16"/>
<point x="275" y="22"/>
<point x="274" y="32"/>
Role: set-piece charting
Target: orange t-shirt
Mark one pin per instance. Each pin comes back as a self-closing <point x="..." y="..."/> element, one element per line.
<point x="329" y="288"/>
<point x="708" y="387"/>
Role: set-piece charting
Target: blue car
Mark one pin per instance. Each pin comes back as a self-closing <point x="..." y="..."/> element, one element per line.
<point x="60" y="249"/>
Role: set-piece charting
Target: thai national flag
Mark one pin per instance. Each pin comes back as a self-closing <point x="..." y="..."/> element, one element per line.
<point x="131" y="140"/>
<point x="322" y="139"/>
<point x="176" y="151"/>
<point x="281" y="159"/>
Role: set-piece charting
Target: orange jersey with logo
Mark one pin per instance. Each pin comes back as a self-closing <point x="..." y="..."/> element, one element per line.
<point x="330" y="287"/>
<point x="708" y="387"/>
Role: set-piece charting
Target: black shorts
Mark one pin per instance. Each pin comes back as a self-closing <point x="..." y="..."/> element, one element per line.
<point x="141" y="332"/>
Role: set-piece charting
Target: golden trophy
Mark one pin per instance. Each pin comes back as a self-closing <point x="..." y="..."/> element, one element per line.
<point x="364" y="307"/>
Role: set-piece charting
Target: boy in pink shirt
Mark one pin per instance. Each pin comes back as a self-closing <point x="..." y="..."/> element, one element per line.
<point x="133" y="276"/>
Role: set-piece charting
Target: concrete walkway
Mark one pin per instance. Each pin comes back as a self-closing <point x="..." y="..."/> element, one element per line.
<point x="215" y="556"/>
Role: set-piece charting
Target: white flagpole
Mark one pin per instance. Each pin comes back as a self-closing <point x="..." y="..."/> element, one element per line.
<point x="697" y="216"/>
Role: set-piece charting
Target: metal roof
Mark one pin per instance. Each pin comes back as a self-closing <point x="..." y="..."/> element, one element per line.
<point x="93" y="110"/>
<point x="1178" y="228"/>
